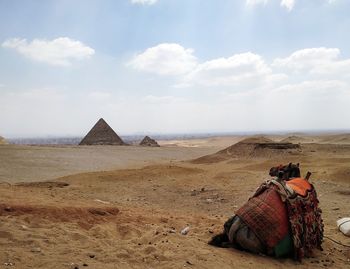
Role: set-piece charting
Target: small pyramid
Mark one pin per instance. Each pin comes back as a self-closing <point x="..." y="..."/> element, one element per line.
<point x="101" y="134"/>
<point x="149" y="142"/>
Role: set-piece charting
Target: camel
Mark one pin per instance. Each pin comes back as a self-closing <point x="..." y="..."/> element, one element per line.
<point x="282" y="218"/>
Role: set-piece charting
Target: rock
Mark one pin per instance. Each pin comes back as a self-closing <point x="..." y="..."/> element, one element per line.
<point x="8" y="209"/>
<point x="103" y="202"/>
<point x="208" y="200"/>
<point x="36" y="250"/>
<point x="185" y="230"/>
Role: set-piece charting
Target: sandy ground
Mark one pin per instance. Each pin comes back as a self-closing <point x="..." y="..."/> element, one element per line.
<point x="34" y="163"/>
<point x="132" y="218"/>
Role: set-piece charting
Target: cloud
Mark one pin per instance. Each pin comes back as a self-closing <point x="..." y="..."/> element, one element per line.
<point x="256" y="2"/>
<point x="315" y="61"/>
<point x="61" y="51"/>
<point x="299" y="86"/>
<point x="315" y="88"/>
<point x="165" y="59"/>
<point x="144" y="2"/>
<point x="307" y="58"/>
<point x="288" y="4"/>
<point x="243" y="70"/>
<point x="239" y="69"/>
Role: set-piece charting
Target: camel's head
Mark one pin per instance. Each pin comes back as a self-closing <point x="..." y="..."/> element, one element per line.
<point x="285" y="171"/>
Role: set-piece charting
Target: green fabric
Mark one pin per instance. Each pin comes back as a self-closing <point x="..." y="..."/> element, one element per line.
<point x="284" y="247"/>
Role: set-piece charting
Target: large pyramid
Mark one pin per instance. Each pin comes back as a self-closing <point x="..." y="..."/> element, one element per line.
<point x="149" y="142"/>
<point x="101" y="134"/>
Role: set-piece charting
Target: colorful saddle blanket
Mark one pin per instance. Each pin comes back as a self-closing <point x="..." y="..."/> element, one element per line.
<point x="280" y="208"/>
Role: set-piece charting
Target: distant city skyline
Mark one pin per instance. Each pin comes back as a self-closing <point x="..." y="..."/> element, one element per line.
<point x="173" y="66"/>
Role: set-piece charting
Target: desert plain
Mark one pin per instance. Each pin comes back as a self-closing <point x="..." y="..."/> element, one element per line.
<point x="125" y="206"/>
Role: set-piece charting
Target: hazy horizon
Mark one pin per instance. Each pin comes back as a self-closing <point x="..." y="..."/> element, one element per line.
<point x="173" y="66"/>
<point x="167" y="136"/>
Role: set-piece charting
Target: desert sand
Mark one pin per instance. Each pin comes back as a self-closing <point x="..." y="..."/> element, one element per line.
<point x="125" y="206"/>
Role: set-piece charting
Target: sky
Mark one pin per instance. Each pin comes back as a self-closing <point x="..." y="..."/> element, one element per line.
<point x="173" y="66"/>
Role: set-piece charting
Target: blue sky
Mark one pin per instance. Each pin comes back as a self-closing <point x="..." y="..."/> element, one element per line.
<point x="173" y="66"/>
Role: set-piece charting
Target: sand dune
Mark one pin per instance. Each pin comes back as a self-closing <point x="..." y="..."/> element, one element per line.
<point x="319" y="139"/>
<point x="298" y="139"/>
<point x="251" y="147"/>
<point x="132" y="218"/>
<point x="336" y="139"/>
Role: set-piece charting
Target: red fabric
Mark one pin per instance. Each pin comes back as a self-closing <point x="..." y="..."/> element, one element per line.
<point x="300" y="185"/>
<point x="266" y="215"/>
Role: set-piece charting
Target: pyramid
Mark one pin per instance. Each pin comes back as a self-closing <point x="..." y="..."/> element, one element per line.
<point x="149" y="142"/>
<point x="101" y="134"/>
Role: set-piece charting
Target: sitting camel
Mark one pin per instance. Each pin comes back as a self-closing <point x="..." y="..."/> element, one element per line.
<point x="282" y="218"/>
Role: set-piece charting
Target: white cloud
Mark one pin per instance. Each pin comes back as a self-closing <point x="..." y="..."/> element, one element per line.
<point x="144" y="2"/>
<point x="316" y="88"/>
<point x="288" y="4"/>
<point x="165" y="59"/>
<point x="315" y="61"/>
<point x="242" y="69"/>
<point x="256" y="2"/>
<point x="60" y="51"/>
<point x="299" y="87"/>
<point x="307" y="58"/>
